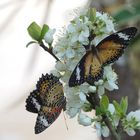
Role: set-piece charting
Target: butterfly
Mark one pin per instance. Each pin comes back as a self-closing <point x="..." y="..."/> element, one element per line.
<point x="90" y="67"/>
<point x="47" y="100"/>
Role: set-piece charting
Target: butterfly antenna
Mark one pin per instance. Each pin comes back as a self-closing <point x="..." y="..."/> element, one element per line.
<point x="65" y="120"/>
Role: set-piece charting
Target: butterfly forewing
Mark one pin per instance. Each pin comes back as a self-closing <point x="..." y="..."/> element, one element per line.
<point x="112" y="47"/>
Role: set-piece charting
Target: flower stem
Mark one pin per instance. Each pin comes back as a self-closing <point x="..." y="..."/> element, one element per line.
<point x="94" y="99"/>
<point x="49" y="50"/>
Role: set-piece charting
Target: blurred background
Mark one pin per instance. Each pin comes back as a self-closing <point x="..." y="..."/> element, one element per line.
<point x="20" y="67"/>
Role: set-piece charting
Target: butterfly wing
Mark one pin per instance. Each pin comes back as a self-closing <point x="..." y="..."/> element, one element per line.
<point x="48" y="115"/>
<point x="33" y="102"/>
<point x="112" y="47"/>
<point x="50" y="89"/>
<point x="81" y="71"/>
<point x="90" y="67"/>
<point x="96" y="70"/>
<point x="47" y="100"/>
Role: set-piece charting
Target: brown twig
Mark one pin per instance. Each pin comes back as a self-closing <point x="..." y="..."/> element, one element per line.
<point x="49" y="50"/>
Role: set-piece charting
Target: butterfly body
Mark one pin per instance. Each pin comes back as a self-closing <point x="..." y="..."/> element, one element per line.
<point x="47" y="101"/>
<point x="90" y="67"/>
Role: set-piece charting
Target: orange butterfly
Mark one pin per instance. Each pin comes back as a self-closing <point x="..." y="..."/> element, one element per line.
<point x="90" y="67"/>
<point x="47" y="100"/>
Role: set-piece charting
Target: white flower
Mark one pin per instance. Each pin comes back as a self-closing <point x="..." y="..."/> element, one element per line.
<point x="49" y="36"/>
<point x="101" y="130"/>
<point x="79" y="31"/>
<point x="84" y="120"/>
<point x="111" y="77"/>
<point x="108" y="21"/>
<point x="130" y="131"/>
<point x="135" y="115"/>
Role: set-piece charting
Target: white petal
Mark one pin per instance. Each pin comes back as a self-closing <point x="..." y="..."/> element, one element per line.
<point x="101" y="90"/>
<point x="130" y="131"/>
<point x="105" y="131"/>
<point x="72" y="112"/>
<point x="71" y="28"/>
<point x="84" y="120"/>
<point x="92" y="89"/>
<point x="55" y="73"/>
<point x="60" y="66"/>
<point x="82" y="96"/>
<point x="111" y="108"/>
<point x="98" y="128"/>
<point x="49" y="36"/>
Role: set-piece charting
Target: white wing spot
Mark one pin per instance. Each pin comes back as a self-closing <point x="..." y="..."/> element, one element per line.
<point x="78" y="73"/>
<point x="123" y="36"/>
<point x="37" y="105"/>
<point x="43" y="121"/>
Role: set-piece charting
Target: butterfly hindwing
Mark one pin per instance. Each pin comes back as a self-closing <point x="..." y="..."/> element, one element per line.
<point x="96" y="70"/>
<point x="112" y="47"/>
<point x="48" y="115"/>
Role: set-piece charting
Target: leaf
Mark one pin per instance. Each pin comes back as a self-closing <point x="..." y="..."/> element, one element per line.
<point x="118" y="108"/>
<point x="104" y="103"/>
<point x="31" y="42"/>
<point x="45" y="28"/>
<point x="34" y="31"/>
<point x="127" y="14"/>
<point x="124" y="104"/>
<point x="92" y="14"/>
<point x="99" y="111"/>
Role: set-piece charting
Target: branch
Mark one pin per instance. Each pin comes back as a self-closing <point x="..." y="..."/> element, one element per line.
<point x="49" y="50"/>
<point x="94" y="99"/>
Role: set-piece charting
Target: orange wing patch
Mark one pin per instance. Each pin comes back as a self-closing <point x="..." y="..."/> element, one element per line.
<point x="87" y="63"/>
<point x="96" y="70"/>
<point x="110" y="51"/>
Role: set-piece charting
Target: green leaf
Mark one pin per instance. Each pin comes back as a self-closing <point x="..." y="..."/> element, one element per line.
<point x="99" y="111"/>
<point x="34" y="31"/>
<point x="124" y="104"/>
<point x="104" y="103"/>
<point x="127" y="14"/>
<point x="45" y="28"/>
<point x="92" y="14"/>
<point x="118" y="108"/>
<point x="31" y="42"/>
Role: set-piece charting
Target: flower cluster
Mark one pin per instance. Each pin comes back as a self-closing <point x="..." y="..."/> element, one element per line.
<point x="69" y="47"/>
<point x="132" y="122"/>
